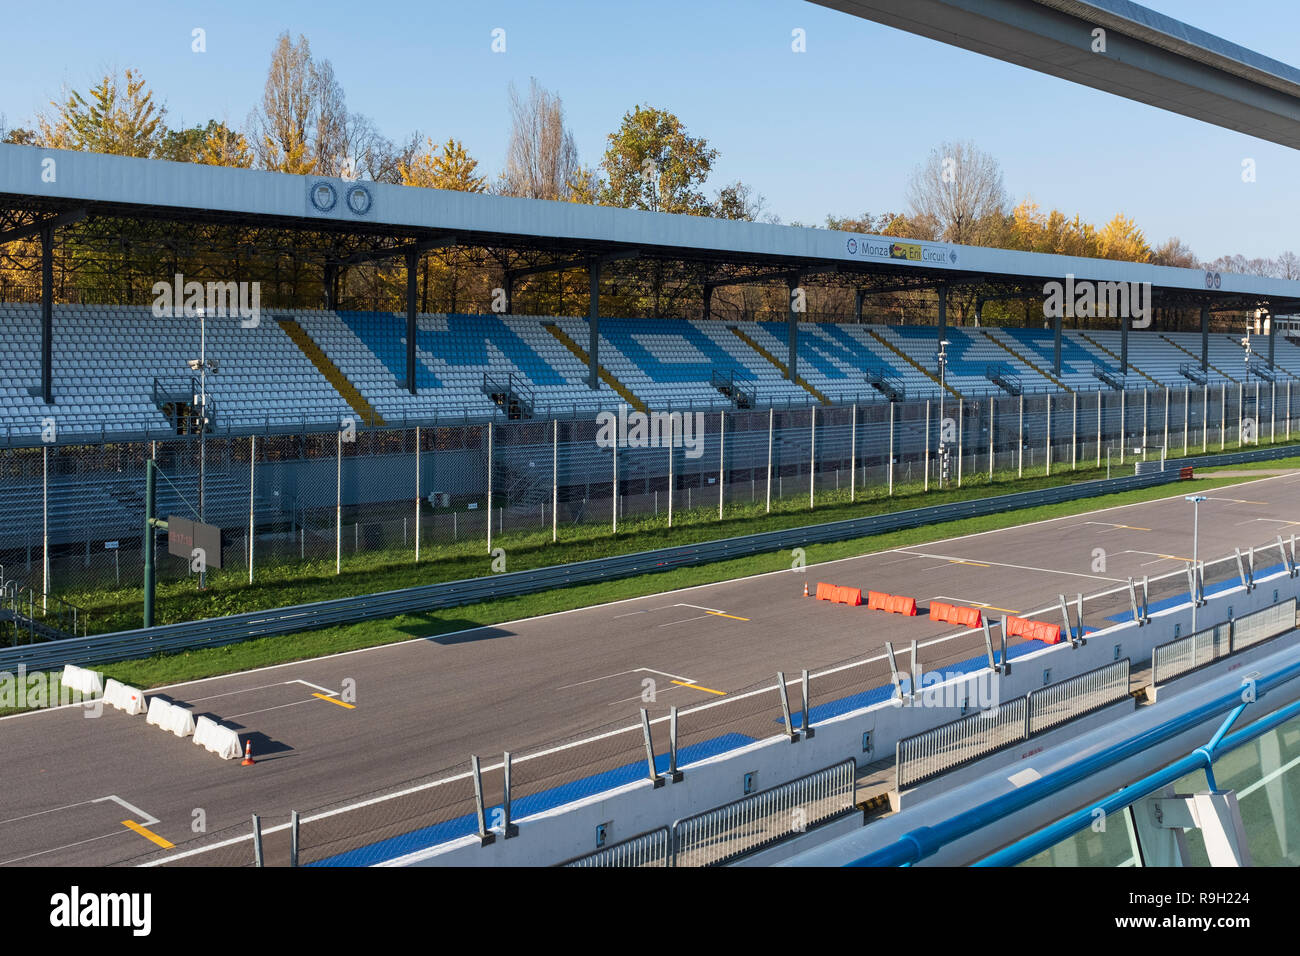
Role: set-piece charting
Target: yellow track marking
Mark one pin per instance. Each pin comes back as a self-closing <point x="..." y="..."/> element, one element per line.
<point x="148" y="835"/>
<point x="732" y="616"/>
<point x="335" y="701"/>
<point x="973" y="564"/>
<point x="707" y="690"/>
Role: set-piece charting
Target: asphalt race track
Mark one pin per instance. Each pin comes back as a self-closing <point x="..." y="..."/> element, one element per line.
<point x="328" y="732"/>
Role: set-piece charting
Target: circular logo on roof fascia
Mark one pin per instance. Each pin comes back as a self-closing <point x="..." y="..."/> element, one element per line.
<point x="1213" y="280"/>
<point x="853" y="246"/>
<point x="359" y="200"/>
<point x="323" y="196"/>
<point x="953" y="256"/>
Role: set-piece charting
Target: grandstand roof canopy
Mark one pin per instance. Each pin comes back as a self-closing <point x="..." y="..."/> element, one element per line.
<point x="334" y="214"/>
<point x="1147" y="56"/>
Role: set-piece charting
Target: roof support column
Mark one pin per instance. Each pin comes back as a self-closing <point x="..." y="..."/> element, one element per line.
<point x="1205" y="336"/>
<point x="47" y="314"/>
<point x="857" y="305"/>
<point x="331" y="273"/>
<point x="412" y="262"/>
<point x="1056" y="344"/>
<point x="1268" y="321"/>
<point x="708" y="301"/>
<point x="792" y="364"/>
<point x="943" y="310"/>
<point x="593" y="325"/>
<point x="1123" y="345"/>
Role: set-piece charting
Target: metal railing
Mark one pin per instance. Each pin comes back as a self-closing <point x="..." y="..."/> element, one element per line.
<point x="1186" y="654"/>
<point x="1251" y="629"/>
<point x="1077" y="696"/>
<point x="644" y="849"/>
<point x="762" y="819"/>
<point x="940" y="749"/>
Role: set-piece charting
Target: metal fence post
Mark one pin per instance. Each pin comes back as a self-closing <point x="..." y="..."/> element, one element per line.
<point x="1074" y="435"/>
<point x="812" y="464"/>
<point x="1205" y="417"/>
<point x="649" y="749"/>
<point x="674" y="774"/>
<point x="1166" y="442"/>
<point x="1223" y="417"/>
<point x="417" y="493"/>
<point x="45" y="526"/>
<point x="771" y="412"/>
<point x="1187" y="403"/>
<point x="484" y="837"/>
<point x="807" y="720"/>
<point x="927" y="445"/>
<point x="338" y="509"/>
<point x="258" y="859"/>
<point x="614" y="487"/>
<point x="992" y="412"/>
<point x="961" y="412"/>
<point x="508" y="828"/>
<point x="785" y="706"/>
<point x="1047" y="459"/>
<point x="1146" y="402"/>
<point x="555" y="477"/>
<point x="252" y="462"/>
<point x="1020" y="444"/>
<point x="722" y="461"/>
<point x="294" y="824"/>
<point x="672" y="438"/>
<point x="1123" y="424"/>
<point x="891" y="443"/>
<point x="853" y="452"/>
<point x="1099" y="437"/>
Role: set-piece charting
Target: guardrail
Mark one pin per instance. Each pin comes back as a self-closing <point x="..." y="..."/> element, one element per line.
<point x="936" y="751"/>
<point x="644" y="849"/>
<point x="730" y="831"/>
<point x="215" y="632"/>
<point x="1185" y="654"/>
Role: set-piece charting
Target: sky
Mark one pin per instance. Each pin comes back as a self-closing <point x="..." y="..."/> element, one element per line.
<point x="836" y="130"/>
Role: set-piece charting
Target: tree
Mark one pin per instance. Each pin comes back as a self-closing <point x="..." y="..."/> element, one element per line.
<point x="1174" y="252"/>
<point x="448" y="166"/>
<point x="865" y="223"/>
<point x="215" y="144"/>
<point x="282" y="127"/>
<point x="652" y="163"/>
<point x="541" y="160"/>
<point x="117" y="116"/>
<point x="1288" y="266"/>
<point x="960" y="190"/>
<point x="738" y="201"/>
<point x="1122" y="239"/>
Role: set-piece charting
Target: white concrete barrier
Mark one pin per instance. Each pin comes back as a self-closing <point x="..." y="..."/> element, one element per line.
<point x="87" y="682"/>
<point x="217" y="738"/>
<point x="170" y="717"/>
<point x="124" y="697"/>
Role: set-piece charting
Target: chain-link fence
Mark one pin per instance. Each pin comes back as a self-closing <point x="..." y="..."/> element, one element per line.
<point x="363" y="499"/>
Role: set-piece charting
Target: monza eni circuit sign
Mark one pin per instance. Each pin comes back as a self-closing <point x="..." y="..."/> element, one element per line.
<point x="184" y="537"/>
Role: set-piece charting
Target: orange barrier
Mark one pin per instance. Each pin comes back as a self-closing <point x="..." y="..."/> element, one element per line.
<point x="954" y="614"/>
<point x="876" y="600"/>
<point x="839" y="595"/>
<point x="1185" y="473"/>
<point x="825" y="592"/>
<point x="1034" y="630"/>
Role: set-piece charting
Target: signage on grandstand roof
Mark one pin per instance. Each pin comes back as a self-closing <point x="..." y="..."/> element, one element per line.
<point x="869" y="247"/>
<point x="323" y="197"/>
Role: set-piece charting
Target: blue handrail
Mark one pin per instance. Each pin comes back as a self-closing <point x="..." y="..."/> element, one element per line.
<point x="1200" y="759"/>
<point x="922" y="842"/>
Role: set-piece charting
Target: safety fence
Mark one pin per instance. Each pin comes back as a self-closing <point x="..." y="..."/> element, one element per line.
<point x="941" y="749"/>
<point x="1185" y="654"/>
<point x="72" y="515"/>
<point x="646" y="849"/>
<point x="728" y="832"/>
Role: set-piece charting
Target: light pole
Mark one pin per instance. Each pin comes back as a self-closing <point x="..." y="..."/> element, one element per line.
<point x="943" y="387"/>
<point x="1196" y="566"/>
<point x="202" y="365"/>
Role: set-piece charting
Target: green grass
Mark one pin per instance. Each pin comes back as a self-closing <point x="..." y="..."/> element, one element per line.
<point x="260" y="652"/>
<point x="299" y="582"/>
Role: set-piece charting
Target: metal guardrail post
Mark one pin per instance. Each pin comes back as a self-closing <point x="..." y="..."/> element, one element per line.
<point x="916" y="670"/>
<point x="1065" y="618"/>
<point x="1132" y="600"/>
<point x="674" y="774"/>
<point x="258" y="859"/>
<point x="294" y="825"/>
<point x="893" y="670"/>
<point x="1146" y="599"/>
<point x="509" y="829"/>
<point x="988" y="642"/>
<point x="657" y="780"/>
<point x="484" y="835"/>
<point x="1006" y="664"/>
<point x="785" y="707"/>
<point x="807" y="724"/>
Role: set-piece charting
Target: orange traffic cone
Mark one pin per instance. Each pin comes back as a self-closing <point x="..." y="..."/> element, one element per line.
<point x="805" y="589"/>
<point x="248" y="760"/>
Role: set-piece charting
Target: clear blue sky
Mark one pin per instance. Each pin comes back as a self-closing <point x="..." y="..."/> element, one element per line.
<point x="837" y="129"/>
